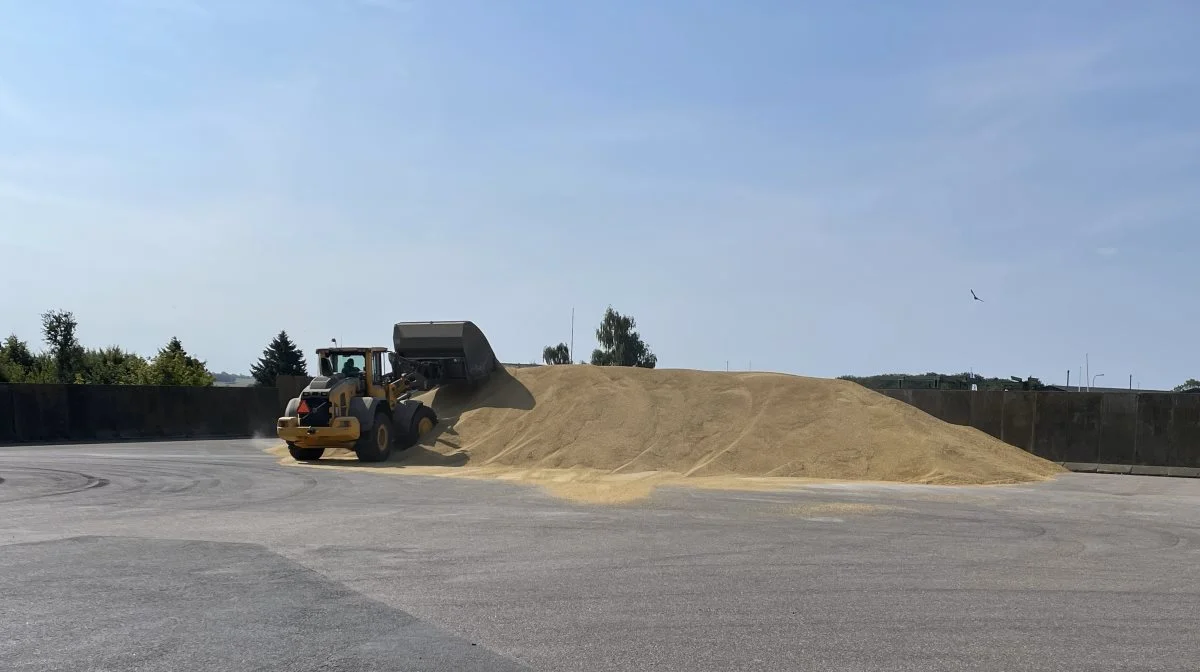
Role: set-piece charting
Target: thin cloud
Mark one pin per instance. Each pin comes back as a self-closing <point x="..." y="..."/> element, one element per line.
<point x="1106" y="251"/>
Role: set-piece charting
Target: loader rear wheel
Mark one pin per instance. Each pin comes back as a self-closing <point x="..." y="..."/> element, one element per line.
<point x="423" y="422"/>
<point x="375" y="445"/>
<point x="305" y="454"/>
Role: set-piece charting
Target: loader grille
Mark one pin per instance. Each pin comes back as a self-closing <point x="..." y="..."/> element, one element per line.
<point x="318" y="410"/>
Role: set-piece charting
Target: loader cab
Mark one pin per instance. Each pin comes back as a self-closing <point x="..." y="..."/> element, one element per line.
<point x="364" y="364"/>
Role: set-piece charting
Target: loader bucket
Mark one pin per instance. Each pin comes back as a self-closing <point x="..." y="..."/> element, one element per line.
<point x="445" y="352"/>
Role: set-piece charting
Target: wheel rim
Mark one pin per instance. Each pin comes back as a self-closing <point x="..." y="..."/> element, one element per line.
<point x="381" y="437"/>
<point x="424" y="426"/>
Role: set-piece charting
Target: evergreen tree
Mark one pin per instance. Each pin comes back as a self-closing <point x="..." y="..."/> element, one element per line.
<point x="280" y="358"/>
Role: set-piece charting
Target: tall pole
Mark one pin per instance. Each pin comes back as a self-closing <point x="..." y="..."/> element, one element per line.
<point x="571" y="352"/>
<point x="1131" y="381"/>
<point x="1068" y="380"/>
<point x="1087" y="374"/>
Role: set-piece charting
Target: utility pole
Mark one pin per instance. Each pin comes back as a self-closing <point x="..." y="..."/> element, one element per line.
<point x="571" y="352"/>
<point x="1087" y="376"/>
<point x="1131" y="381"/>
<point x="1068" y="380"/>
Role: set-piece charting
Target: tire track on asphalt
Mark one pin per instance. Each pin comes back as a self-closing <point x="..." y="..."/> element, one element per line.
<point x="54" y="477"/>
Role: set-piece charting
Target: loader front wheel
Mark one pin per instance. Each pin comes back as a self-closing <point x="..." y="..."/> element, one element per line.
<point x="423" y="422"/>
<point x="305" y="454"/>
<point x="375" y="445"/>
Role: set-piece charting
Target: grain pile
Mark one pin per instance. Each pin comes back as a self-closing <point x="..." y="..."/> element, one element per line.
<point x="606" y="434"/>
<point x="695" y="423"/>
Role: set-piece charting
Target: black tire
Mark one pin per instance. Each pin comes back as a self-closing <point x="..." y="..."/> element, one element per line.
<point x="375" y="445"/>
<point x="305" y="454"/>
<point x="423" y="420"/>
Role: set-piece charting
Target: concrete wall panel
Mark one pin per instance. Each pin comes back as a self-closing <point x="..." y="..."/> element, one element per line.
<point x="216" y="411"/>
<point x="929" y="401"/>
<point x="1083" y="436"/>
<point x="1050" y="439"/>
<point x="40" y="412"/>
<point x="176" y="406"/>
<point x="8" y="429"/>
<point x="987" y="411"/>
<point x="1118" y="428"/>
<point x="1018" y="427"/>
<point x="1184" y="432"/>
<point x="1154" y="412"/>
<point x="956" y="407"/>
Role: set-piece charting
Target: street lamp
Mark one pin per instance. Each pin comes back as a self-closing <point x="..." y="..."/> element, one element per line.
<point x="1094" y="379"/>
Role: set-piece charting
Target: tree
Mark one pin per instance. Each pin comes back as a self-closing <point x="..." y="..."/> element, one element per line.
<point x="556" y="354"/>
<point x="17" y="352"/>
<point x="58" y="329"/>
<point x="620" y="345"/>
<point x="16" y="360"/>
<point x="174" y="366"/>
<point x="280" y="358"/>
<point x="1189" y="384"/>
<point x="112" y="366"/>
<point x="10" y="372"/>
<point x="43" y="370"/>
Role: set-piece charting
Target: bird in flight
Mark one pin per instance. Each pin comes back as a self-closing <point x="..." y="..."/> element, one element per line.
<point x="975" y="297"/>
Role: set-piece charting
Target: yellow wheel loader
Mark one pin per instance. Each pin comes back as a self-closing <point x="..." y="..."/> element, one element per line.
<point x="354" y="404"/>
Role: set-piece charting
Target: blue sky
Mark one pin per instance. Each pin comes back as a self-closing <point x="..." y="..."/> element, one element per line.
<point x="811" y="187"/>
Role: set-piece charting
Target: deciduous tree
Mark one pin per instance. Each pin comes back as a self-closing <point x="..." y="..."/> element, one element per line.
<point x="620" y="344"/>
<point x="58" y="329"/>
<point x="174" y="366"/>
<point x="1189" y="384"/>
<point x="556" y="354"/>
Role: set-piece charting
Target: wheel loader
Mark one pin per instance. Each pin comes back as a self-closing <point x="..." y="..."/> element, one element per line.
<point x="354" y="404"/>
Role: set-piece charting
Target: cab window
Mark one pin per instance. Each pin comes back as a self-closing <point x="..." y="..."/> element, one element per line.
<point x="349" y="365"/>
<point x="377" y="368"/>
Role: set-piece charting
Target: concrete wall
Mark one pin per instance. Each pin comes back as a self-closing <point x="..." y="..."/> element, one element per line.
<point x="100" y="412"/>
<point x="1151" y="429"/>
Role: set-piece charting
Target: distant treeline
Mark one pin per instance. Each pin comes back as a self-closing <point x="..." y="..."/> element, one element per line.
<point x="224" y="377"/>
<point x="944" y="381"/>
<point x="65" y="360"/>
